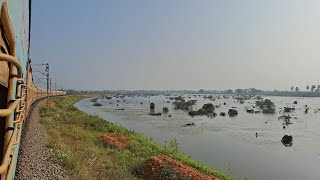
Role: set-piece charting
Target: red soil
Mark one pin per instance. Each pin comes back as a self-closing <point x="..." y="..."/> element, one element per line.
<point x="153" y="166"/>
<point x="51" y="104"/>
<point x="119" y="140"/>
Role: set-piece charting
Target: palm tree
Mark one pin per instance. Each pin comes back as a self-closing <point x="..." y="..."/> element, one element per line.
<point x="307" y="87"/>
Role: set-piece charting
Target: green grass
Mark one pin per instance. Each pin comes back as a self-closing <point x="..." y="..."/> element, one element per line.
<point x="74" y="138"/>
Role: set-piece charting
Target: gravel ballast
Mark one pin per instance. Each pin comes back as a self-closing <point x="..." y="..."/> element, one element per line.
<point x="35" y="157"/>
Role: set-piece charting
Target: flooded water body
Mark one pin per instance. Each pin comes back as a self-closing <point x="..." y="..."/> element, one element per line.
<point x="247" y="146"/>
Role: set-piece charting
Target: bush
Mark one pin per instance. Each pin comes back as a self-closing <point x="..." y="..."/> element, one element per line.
<point x="267" y="106"/>
<point x="207" y="109"/>
<point x="184" y="105"/>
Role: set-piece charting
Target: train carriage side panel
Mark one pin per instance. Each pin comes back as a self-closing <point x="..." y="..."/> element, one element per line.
<point x="15" y="28"/>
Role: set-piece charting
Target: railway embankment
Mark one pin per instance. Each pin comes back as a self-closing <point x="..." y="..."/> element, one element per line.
<point x="36" y="159"/>
<point x="91" y="148"/>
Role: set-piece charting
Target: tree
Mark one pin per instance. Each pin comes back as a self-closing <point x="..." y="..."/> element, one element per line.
<point x="152" y="106"/>
<point x="313" y="87"/>
<point x="292" y="88"/>
<point x="308" y="87"/>
<point x="201" y="91"/>
<point x="254" y="91"/>
<point x="229" y="91"/>
<point x="239" y="91"/>
<point x="297" y="88"/>
<point x="318" y="89"/>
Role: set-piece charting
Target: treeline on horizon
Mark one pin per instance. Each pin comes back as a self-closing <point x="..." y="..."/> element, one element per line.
<point x="294" y="91"/>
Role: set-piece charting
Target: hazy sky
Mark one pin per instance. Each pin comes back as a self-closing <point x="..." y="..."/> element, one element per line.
<point x="178" y="44"/>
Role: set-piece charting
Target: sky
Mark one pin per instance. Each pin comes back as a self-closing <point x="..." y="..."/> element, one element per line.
<point x="178" y="44"/>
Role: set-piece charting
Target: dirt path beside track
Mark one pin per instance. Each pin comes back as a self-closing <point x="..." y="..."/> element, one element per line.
<point x="35" y="157"/>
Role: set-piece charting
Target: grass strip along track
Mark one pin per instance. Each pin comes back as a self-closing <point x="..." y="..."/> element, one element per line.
<point x="75" y="138"/>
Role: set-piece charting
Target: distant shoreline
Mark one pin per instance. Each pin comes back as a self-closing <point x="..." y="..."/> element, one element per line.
<point x="227" y="92"/>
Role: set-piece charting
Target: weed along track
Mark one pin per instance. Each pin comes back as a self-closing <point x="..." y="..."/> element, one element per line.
<point x="35" y="156"/>
<point x="92" y="148"/>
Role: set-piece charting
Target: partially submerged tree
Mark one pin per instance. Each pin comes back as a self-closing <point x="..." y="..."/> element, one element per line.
<point x="184" y="105"/>
<point x="207" y="109"/>
<point x="267" y="106"/>
<point x="232" y="112"/>
<point x="165" y="109"/>
<point x="152" y="106"/>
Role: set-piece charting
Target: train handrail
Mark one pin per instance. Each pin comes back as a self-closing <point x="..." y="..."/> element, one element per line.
<point x="16" y="111"/>
<point x="17" y="108"/>
<point x="8" y="111"/>
<point x="10" y="148"/>
<point x="14" y="61"/>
